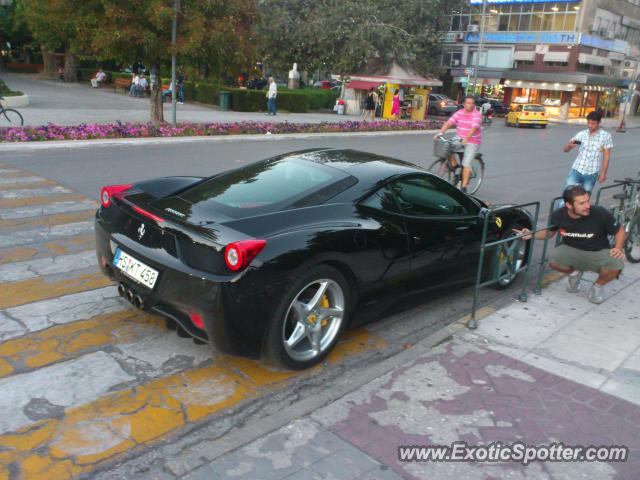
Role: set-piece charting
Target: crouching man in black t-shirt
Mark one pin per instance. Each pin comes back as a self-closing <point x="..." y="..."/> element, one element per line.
<point x="585" y="243"/>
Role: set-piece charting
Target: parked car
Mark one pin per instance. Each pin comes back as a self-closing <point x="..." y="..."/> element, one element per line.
<point x="527" y="114"/>
<point x="325" y="84"/>
<point x="280" y="256"/>
<point x="440" y="104"/>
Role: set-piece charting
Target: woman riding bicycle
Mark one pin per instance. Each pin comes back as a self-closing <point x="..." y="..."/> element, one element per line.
<point x="468" y="123"/>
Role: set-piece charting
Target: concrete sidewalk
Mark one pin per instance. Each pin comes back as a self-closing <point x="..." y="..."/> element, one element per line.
<point x="75" y="103"/>
<point x="555" y="369"/>
<point x="631" y="122"/>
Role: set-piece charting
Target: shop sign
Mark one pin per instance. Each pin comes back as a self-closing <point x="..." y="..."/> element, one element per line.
<point x="619" y="46"/>
<point x="507" y="2"/>
<point x="468" y="71"/>
<point x="560" y="38"/>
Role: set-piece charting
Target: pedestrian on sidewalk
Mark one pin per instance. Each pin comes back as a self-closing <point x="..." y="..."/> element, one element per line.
<point x="585" y="246"/>
<point x="135" y="82"/>
<point x="272" y="93"/>
<point x="180" y="82"/>
<point x="395" y="105"/>
<point x="99" y="78"/>
<point x="142" y="85"/>
<point x="370" y="104"/>
<point x="594" y="153"/>
<point x="60" y="73"/>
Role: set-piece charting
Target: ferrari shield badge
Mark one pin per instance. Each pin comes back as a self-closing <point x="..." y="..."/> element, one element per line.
<point x="499" y="222"/>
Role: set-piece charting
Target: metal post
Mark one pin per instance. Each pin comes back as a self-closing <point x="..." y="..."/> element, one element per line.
<point x="538" y="288"/>
<point x="523" y="296"/>
<point x="174" y="91"/>
<point x="480" y="42"/>
<point x="473" y="324"/>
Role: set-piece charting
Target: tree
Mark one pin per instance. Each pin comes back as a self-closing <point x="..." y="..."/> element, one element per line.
<point x="345" y="36"/>
<point x="53" y="25"/>
<point x="215" y="31"/>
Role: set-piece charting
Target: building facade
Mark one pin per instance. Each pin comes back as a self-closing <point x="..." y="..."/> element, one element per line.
<point x="572" y="56"/>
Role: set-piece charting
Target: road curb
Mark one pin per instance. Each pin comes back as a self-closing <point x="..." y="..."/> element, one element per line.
<point x="128" y="142"/>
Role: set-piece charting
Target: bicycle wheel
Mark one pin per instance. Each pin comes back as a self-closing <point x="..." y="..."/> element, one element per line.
<point x="632" y="243"/>
<point x="11" y="118"/>
<point x="477" y="175"/>
<point x="442" y="170"/>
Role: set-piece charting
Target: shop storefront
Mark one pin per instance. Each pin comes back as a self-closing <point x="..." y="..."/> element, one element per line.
<point x="564" y="99"/>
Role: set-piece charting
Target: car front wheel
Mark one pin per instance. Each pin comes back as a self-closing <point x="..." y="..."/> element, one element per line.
<point x="308" y="320"/>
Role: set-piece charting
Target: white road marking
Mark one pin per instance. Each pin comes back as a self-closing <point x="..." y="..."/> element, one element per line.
<point x="21" y="180"/>
<point x="10" y="328"/>
<point x="46" y="209"/>
<point x="33" y="192"/>
<point x="14" y="272"/>
<point x="56" y="387"/>
<point x="35" y="235"/>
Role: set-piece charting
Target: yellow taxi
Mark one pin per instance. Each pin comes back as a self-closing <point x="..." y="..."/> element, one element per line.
<point x="527" y="114"/>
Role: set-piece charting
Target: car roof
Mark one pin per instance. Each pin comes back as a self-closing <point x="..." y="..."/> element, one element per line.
<point x="369" y="169"/>
<point x="530" y="104"/>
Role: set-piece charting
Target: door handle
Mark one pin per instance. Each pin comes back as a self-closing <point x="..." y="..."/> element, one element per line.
<point x="416" y="238"/>
<point x="462" y="228"/>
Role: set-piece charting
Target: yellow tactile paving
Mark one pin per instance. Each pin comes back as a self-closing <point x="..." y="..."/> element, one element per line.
<point x="90" y="434"/>
<point x="43" y="200"/>
<point x="18" y="293"/>
<point x="63" y="342"/>
<point x="48" y="220"/>
<point x="18" y="254"/>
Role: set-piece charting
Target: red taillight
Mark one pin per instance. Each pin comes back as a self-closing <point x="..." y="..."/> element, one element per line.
<point x="543" y="114"/>
<point x="109" y="191"/>
<point x="526" y="114"/>
<point x="238" y="255"/>
<point x="196" y="319"/>
<point x="142" y="211"/>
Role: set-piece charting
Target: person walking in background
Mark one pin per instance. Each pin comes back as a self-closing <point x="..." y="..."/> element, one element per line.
<point x="594" y="154"/>
<point x="135" y="81"/>
<point x="60" y="73"/>
<point x="395" y="105"/>
<point x="370" y="104"/>
<point x="180" y="82"/>
<point x="272" y="93"/>
<point x="142" y="85"/>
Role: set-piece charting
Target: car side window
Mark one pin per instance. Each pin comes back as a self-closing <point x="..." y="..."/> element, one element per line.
<point x="384" y="199"/>
<point x="519" y="108"/>
<point x="426" y="196"/>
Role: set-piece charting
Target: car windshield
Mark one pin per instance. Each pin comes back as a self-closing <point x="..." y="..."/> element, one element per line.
<point x="269" y="186"/>
<point x="534" y="108"/>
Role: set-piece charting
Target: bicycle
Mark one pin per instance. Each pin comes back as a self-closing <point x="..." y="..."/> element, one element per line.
<point x="10" y="115"/>
<point x="627" y="213"/>
<point x="442" y="149"/>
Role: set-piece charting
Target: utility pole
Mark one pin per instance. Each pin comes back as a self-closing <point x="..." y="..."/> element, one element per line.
<point x="480" y="40"/>
<point x="174" y="90"/>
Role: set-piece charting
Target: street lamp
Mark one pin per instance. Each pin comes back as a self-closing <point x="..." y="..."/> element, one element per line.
<point x="480" y="40"/>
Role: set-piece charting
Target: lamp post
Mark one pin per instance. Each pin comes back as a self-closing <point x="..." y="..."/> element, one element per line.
<point x="480" y="41"/>
<point x="174" y="89"/>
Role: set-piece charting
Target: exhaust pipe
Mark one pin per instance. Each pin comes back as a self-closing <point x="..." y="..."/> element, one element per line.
<point x="122" y="290"/>
<point x="130" y="296"/>
<point x="138" y="301"/>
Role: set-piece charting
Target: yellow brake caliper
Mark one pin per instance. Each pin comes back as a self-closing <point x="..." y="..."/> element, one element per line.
<point x="325" y="304"/>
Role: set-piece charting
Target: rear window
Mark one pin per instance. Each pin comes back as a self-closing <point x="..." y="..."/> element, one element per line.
<point x="269" y="186"/>
<point x="534" y="108"/>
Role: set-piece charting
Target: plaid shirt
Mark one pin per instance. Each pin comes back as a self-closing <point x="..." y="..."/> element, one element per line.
<point x="591" y="150"/>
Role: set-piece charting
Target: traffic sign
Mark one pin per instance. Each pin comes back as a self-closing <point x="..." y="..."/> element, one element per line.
<point x="468" y="71"/>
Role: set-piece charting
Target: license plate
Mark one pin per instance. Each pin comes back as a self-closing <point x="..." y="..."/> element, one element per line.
<point x="135" y="269"/>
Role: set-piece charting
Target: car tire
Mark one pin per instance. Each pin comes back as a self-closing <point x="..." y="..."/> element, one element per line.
<point x="543" y="126"/>
<point x="523" y="253"/>
<point x="290" y="316"/>
<point x="518" y="123"/>
<point x="506" y="122"/>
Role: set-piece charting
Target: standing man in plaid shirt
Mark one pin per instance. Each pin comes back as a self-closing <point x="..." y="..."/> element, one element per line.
<point x="594" y="154"/>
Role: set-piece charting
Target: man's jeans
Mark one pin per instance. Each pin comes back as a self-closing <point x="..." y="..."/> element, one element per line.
<point x="181" y="93"/>
<point x="271" y="106"/>
<point x="577" y="178"/>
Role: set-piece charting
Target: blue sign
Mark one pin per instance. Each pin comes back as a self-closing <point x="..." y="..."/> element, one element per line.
<point x="507" y="2"/>
<point x="619" y="46"/>
<point x="560" y="38"/>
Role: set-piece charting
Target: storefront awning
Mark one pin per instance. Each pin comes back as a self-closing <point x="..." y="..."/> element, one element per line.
<point x="556" y="57"/>
<point x="524" y="55"/>
<point x="588" y="59"/>
<point x="363" y="85"/>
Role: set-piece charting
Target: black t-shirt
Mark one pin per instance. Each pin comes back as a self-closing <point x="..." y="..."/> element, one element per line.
<point x="586" y="233"/>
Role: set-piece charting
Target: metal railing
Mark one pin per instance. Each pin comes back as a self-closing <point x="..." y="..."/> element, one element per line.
<point x="508" y="254"/>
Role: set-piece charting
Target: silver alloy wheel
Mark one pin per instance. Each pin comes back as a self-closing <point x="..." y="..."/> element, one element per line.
<point x="519" y="251"/>
<point x="313" y="320"/>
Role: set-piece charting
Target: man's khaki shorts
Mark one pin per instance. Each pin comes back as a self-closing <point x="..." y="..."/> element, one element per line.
<point x="585" y="261"/>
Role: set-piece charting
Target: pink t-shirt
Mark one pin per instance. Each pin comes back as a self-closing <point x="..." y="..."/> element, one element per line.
<point x="465" y="121"/>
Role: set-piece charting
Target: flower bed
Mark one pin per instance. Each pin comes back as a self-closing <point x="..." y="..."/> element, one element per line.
<point x="146" y="130"/>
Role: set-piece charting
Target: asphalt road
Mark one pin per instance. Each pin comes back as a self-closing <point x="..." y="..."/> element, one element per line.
<point x="523" y="165"/>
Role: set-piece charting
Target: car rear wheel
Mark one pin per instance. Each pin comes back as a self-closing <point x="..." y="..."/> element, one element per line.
<point x="309" y="319"/>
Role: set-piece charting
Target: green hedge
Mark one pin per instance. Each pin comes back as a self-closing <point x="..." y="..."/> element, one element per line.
<point x="256" y="101"/>
<point x="7" y="92"/>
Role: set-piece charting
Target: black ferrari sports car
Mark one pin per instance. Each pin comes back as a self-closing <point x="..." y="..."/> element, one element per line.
<point x="279" y="257"/>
